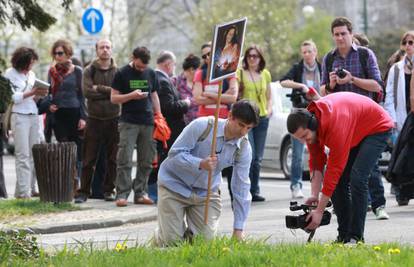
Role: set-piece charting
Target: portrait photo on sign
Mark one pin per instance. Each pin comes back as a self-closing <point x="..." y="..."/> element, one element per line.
<point x="227" y="46"/>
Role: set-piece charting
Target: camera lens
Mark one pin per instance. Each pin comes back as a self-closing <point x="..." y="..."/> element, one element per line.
<point x="340" y="73"/>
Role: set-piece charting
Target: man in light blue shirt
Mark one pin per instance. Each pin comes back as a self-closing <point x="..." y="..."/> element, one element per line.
<point x="183" y="176"/>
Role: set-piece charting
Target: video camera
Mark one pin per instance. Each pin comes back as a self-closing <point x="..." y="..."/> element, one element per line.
<point x="296" y="222"/>
<point x="298" y="98"/>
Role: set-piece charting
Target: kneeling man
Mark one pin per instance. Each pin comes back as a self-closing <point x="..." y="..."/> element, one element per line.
<point x="183" y="176"/>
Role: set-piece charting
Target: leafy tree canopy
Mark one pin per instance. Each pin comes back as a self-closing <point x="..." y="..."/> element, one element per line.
<point x="28" y="13"/>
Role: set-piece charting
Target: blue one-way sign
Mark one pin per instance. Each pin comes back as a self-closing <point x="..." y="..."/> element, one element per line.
<point x="92" y="20"/>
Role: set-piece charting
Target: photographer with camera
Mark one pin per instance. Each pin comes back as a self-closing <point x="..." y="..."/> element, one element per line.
<point x="354" y="68"/>
<point x="301" y="76"/>
<point x="350" y="67"/>
<point x="355" y="129"/>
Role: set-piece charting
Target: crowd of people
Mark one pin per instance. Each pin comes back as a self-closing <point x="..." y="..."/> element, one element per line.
<point x="110" y="111"/>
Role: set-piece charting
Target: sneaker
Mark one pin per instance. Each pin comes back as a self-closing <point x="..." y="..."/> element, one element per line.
<point x="297" y="192"/>
<point x="369" y="208"/>
<point x="258" y="198"/>
<point x="121" y="202"/>
<point x="109" y="196"/>
<point x="381" y="214"/>
<point x="80" y="199"/>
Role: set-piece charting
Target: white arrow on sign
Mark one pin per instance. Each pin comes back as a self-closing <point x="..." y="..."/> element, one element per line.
<point x="93" y="17"/>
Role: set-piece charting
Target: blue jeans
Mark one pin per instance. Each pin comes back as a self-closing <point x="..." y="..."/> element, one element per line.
<point x="350" y="198"/>
<point x="296" y="169"/>
<point x="376" y="189"/>
<point x="257" y="138"/>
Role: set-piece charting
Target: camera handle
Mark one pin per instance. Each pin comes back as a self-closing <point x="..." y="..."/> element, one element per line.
<point x="311" y="234"/>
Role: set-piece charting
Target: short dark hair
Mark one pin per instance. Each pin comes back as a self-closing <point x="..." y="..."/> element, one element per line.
<point x="65" y="44"/>
<point x="341" y="21"/>
<point x="205" y="45"/>
<point x="262" y="63"/>
<point x="299" y="117"/>
<point x="361" y="39"/>
<point x="246" y="111"/>
<point x="142" y="53"/>
<point x="22" y="58"/>
<point x="164" y="56"/>
<point x="191" y="61"/>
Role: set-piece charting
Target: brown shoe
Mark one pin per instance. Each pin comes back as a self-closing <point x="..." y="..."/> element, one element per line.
<point x="143" y="200"/>
<point x="35" y="194"/>
<point x="121" y="202"/>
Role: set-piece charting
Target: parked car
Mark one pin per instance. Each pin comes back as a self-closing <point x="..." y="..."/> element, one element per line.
<point x="278" y="149"/>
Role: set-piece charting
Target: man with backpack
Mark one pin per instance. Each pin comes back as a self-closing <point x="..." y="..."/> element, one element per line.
<point x="354" y="68"/>
<point x="350" y="67"/>
<point x="102" y="124"/>
<point x="182" y="178"/>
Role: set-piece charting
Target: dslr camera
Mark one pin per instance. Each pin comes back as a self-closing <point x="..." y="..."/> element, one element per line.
<point x="340" y="73"/>
<point x="299" y="221"/>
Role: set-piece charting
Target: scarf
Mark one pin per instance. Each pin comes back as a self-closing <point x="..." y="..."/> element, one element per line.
<point x="312" y="71"/>
<point x="57" y="74"/>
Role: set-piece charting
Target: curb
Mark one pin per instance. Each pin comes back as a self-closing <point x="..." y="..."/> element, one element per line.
<point x="88" y="225"/>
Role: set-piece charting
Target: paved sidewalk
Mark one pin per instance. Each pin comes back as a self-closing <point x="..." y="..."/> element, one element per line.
<point x="94" y="213"/>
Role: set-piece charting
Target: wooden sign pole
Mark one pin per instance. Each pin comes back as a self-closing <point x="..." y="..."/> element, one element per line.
<point x="213" y="150"/>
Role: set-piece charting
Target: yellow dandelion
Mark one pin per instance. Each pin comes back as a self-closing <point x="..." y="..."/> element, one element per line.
<point x="377" y="248"/>
<point x="226" y="249"/>
<point x="397" y="251"/>
<point x="120" y="247"/>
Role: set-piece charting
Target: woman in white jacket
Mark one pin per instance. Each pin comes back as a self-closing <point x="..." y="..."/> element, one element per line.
<point x="399" y="100"/>
<point x="24" y="118"/>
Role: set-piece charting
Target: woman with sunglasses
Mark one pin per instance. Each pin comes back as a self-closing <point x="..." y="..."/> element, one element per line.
<point x="68" y="102"/>
<point x="399" y="100"/>
<point x="24" y="118"/>
<point x="399" y="97"/>
<point x="254" y="82"/>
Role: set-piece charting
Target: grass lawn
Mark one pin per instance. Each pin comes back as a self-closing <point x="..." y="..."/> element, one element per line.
<point x="19" y="207"/>
<point x="227" y="252"/>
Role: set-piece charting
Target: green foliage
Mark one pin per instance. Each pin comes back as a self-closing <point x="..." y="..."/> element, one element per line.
<point x="316" y="28"/>
<point x="21" y="207"/>
<point x="228" y="252"/>
<point x="269" y="25"/>
<point x="28" y="13"/>
<point x="17" y="245"/>
<point x="272" y="24"/>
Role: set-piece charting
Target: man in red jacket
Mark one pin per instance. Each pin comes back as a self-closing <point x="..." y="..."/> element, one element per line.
<point x="355" y="129"/>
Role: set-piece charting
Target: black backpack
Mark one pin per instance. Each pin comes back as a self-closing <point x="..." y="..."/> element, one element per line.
<point x="6" y="93"/>
<point x="363" y="60"/>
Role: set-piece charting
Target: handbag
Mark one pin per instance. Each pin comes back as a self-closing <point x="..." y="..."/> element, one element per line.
<point x="43" y="104"/>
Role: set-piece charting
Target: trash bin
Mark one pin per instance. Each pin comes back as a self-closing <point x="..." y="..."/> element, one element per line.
<point x="55" y="166"/>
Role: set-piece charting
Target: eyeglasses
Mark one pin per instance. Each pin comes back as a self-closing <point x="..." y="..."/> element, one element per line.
<point x="205" y="55"/>
<point x="411" y="42"/>
<point x="253" y="56"/>
<point x="59" y="53"/>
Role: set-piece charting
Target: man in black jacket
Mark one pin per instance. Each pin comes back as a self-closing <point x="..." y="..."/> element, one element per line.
<point x="173" y="109"/>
